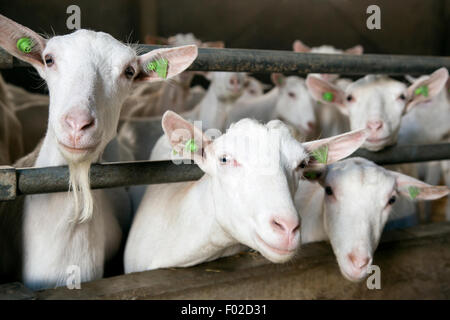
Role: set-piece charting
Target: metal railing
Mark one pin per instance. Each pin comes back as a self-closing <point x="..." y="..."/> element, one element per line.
<point x="20" y="181"/>
<point x="288" y="62"/>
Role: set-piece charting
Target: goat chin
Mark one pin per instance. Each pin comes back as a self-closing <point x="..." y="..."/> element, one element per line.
<point x="80" y="187"/>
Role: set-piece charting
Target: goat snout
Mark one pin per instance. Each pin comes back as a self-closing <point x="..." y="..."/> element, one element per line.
<point x="288" y="228"/>
<point x="375" y="125"/>
<point x="79" y="120"/>
<point x="235" y="83"/>
<point x="358" y="261"/>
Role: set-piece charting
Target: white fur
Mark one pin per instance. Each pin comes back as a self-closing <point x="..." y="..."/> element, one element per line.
<point x="87" y="86"/>
<point x="234" y="203"/>
<point x="353" y="217"/>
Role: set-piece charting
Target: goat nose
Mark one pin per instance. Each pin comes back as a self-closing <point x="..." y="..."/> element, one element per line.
<point x="285" y="226"/>
<point x="375" y="125"/>
<point x="79" y="120"/>
<point x="311" y="125"/>
<point x="358" y="261"/>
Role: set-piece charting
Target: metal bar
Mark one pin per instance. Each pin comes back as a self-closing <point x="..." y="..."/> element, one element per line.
<point x="109" y="175"/>
<point x="407" y="153"/>
<point x="55" y="179"/>
<point x="288" y="62"/>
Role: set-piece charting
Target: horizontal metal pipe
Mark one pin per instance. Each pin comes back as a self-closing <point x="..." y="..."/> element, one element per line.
<point x="288" y="62"/>
<point x="55" y="179"/>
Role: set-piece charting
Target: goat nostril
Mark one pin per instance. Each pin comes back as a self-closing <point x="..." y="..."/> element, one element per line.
<point x="358" y="263"/>
<point x="278" y="225"/>
<point x="297" y="228"/>
<point x="89" y="123"/>
<point x="311" y="125"/>
<point x="374" y="125"/>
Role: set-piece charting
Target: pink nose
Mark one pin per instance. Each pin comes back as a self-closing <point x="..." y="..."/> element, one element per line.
<point x="374" y="125"/>
<point x="286" y="227"/>
<point x="358" y="261"/>
<point x="235" y="82"/>
<point x="79" y="120"/>
<point x="311" y="125"/>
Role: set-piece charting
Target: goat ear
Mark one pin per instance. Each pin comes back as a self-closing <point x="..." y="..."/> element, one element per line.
<point x="161" y="64"/>
<point x="329" y="150"/>
<point x="278" y="79"/>
<point x="187" y="140"/>
<point x="299" y="46"/>
<point x="358" y="50"/>
<point x="426" y="88"/>
<point x="418" y="190"/>
<point x="21" y="42"/>
<point x="325" y="92"/>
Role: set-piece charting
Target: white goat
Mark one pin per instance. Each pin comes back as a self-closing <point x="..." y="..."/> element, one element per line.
<point x="299" y="46"/>
<point x="378" y="103"/>
<point x="429" y="122"/>
<point x="350" y="206"/>
<point x="244" y="197"/>
<point x="375" y="102"/>
<point x="252" y="88"/>
<point x="220" y="98"/>
<point x="89" y="74"/>
<point x="289" y="101"/>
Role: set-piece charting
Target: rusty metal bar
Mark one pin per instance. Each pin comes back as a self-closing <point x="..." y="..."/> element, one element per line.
<point x="288" y="62"/>
<point x="109" y="175"/>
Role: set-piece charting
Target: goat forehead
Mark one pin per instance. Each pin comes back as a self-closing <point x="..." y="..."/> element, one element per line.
<point x="326" y="49"/>
<point x="360" y="176"/>
<point x="295" y="83"/>
<point x="83" y="46"/>
<point x="248" y="137"/>
<point x="375" y="84"/>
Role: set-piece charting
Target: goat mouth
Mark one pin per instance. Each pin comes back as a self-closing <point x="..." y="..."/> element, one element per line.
<point x="352" y="278"/>
<point x="377" y="140"/>
<point x="278" y="251"/>
<point x="77" y="149"/>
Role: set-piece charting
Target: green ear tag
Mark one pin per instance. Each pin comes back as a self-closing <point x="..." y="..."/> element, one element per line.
<point x="310" y="175"/>
<point x="174" y="152"/>
<point x="191" y="146"/>
<point x="25" y="45"/>
<point x="413" y="192"/>
<point x="423" y="90"/>
<point x="321" y="154"/>
<point x="159" y="66"/>
<point x="328" y="96"/>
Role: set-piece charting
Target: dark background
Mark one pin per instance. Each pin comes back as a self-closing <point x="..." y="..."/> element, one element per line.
<point x="416" y="27"/>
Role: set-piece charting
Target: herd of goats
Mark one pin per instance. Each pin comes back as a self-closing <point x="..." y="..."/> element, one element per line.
<point x="273" y="157"/>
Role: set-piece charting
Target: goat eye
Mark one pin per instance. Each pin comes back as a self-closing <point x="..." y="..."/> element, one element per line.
<point x="328" y="190"/>
<point x="349" y="98"/>
<point x="292" y="94"/>
<point x="402" y="97"/>
<point x="129" y="72"/>
<point x="302" y="164"/>
<point x="224" y="159"/>
<point x="49" y="61"/>
<point x="392" y="200"/>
